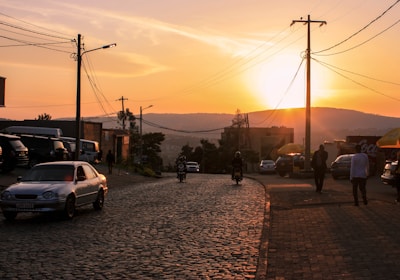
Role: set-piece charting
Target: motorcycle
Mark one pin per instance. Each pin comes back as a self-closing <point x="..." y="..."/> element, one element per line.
<point x="237" y="175"/>
<point x="181" y="172"/>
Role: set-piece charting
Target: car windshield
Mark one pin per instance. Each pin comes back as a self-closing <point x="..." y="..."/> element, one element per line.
<point x="16" y="144"/>
<point x="49" y="173"/>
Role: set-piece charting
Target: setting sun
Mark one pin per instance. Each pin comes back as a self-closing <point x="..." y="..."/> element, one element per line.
<point x="281" y="82"/>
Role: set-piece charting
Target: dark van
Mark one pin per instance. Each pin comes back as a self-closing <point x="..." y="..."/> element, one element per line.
<point x="15" y="153"/>
<point x="44" y="149"/>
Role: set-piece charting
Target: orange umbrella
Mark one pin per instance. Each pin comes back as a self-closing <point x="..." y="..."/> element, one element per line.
<point x="390" y="139"/>
<point x="290" y="148"/>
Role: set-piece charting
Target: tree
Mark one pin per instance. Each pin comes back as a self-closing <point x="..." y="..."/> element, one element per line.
<point x="151" y="149"/>
<point x="210" y="162"/>
<point x="124" y="116"/>
<point x="43" y="117"/>
<point x="187" y="151"/>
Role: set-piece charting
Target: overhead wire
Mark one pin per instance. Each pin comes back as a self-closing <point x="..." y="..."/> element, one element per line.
<point x="358" y="83"/>
<point x="360" y="30"/>
<point x="354" y="73"/>
<point x="237" y="66"/>
<point x="181" y="130"/>
<point x="36" y="26"/>
<point x="362" y="43"/>
<point x="284" y="95"/>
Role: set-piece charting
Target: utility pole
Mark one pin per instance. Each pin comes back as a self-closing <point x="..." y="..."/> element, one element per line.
<point x="123" y="111"/>
<point x="78" y="101"/>
<point x="307" y="165"/>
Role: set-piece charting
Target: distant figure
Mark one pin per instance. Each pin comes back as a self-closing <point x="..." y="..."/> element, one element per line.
<point x="318" y="163"/>
<point x="397" y="178"/>
<point x="180" y="163"/>
<point x="110" y="161"/>
<point x="359" y="171"/>
<point x="237" y="162"/>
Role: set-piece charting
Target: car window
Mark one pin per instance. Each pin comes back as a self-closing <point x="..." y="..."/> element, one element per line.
<point x="16" y="144"/>
<point x="49" y="173"/>
<point x="90" y="174"/>
<point x="80" y="173"/>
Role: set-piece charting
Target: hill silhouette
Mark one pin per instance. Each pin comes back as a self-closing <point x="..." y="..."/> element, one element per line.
<point x="327" y="124"/>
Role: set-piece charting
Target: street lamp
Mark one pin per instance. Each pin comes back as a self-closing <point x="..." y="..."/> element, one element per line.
<point x="78" y="93"/>
<point x="141" y="110"/>
<point x="140" y="131"/>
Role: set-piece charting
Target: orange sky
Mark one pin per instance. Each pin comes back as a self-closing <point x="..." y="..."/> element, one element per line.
<point x="186" y="56"/>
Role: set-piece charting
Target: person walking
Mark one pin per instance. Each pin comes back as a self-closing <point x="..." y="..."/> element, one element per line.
<point x="110" y="161"/>
<point x="359" y="171"/>
<point x="318" y="163"/>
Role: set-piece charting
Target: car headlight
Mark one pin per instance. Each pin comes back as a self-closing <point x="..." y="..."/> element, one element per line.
<point x="49" y="195"/>
<point x="6" y="195"/>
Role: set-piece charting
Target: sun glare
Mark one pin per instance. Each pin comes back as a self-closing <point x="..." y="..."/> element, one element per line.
<point x="276" y="84"/>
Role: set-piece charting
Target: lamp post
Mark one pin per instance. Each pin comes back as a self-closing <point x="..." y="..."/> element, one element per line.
<point x="140" y="131"/>
<point x="78" y="93"/>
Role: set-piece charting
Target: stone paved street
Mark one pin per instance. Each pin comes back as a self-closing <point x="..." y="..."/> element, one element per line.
<point x="208" y="228"/>
<point x="205" y="228"/>
<point x="324" y="236"/>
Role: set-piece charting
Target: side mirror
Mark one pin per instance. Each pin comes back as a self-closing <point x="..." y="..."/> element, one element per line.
<point x="81" y="178"/>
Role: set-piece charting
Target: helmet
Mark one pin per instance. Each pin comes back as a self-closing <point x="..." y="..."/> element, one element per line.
<point x="237" y="154"/>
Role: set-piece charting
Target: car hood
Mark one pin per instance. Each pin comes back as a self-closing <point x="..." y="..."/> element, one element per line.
<point x="37" y="187"/>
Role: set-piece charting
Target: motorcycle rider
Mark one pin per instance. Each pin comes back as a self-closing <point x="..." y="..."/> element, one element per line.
<point x="237" y="162"/>
<point x="180" y="160"/>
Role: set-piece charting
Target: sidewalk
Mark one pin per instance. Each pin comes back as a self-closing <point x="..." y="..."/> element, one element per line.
<point x="324" y="236"/>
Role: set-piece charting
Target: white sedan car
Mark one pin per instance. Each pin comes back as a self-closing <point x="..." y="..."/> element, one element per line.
<point x="267" y="166"/>
<point x="55" y="187"/>
<point x="192" y="167"/>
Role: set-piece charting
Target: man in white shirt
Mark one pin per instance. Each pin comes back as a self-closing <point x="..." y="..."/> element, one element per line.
<point x="359" y="172"/>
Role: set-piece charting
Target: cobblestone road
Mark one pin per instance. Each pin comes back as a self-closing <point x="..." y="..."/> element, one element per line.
<point x="206" y="228"/>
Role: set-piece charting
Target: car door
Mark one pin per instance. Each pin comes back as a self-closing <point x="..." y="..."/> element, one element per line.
<point x="82" y="190"/>
<point x="93" y="182"/>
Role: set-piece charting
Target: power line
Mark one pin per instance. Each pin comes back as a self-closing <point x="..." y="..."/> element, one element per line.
<point x="284" y="95"/>
<point x="181" y="130"/>
<point x="358" y="83"/>
<point x="37" y="26"/>
<point x="359" y="31"/>
<point x="354" y="73"/>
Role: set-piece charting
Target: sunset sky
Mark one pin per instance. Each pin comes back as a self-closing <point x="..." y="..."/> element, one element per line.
<point x="209" y="56"/>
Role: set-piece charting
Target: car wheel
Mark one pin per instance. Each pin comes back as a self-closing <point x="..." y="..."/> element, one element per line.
<point x="10" y="216"/>
<point x="98" y="204"/>
<point x="282" y="173"/>
<point x="69" y="209"/>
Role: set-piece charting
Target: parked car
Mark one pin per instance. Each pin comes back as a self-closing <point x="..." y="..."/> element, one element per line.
<point x="44" y="149"/>
<point x="192" y="167"/>
<point x="285" y="164"/>
<point x="59" y="186"/>
<point x="388" y="174"/>
<point x="341" y="166"/>
<point x="267" y="166"/>
<point x="14" y="152"/>
<point x="1" y="157"/>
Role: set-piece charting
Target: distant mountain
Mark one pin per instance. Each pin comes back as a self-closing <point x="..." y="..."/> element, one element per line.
<point x="327" y="124"/>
